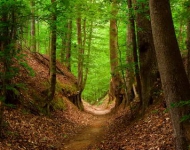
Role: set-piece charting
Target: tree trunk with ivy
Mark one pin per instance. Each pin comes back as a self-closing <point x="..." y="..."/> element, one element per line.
<point x="173" y="76"/>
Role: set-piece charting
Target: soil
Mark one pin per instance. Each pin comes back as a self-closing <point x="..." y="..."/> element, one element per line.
<point x="94" y="129"/>
<point x="89" y="136"/>
<point x="94" y="132"/>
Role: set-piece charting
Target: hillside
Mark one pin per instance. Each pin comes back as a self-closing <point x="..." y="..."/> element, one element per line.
<point x="26" y="127"/>
<point x="37" y="85"/>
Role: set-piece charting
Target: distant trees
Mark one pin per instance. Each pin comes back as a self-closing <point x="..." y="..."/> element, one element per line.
<point x="174" y="80"/>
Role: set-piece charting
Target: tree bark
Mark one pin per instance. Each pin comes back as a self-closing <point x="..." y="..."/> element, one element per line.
<point x="3" y="44"/>
<point x="63" y="47"/>
<point x="147" y="56"/>
<point x="33" y="26"/>
<point x="88" y="53"/>
<point x="80" y="62"/>
<point x="174" y="80"/>
<point x="129" y="52"/>
<point x="38" y="33"/>
<point x="68" y="45"/>
<point x="188" y="43"/>
<point x="8" y="26"/>
<point x="51" y="92"/>
<point x="116" y="77"/>
<point x="132" y="44"/>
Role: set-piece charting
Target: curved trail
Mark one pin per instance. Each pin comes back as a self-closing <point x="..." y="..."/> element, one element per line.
<point x="93" y="133"/>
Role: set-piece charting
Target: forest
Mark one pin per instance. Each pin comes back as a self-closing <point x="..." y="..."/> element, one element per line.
<point x="94" y="74"/>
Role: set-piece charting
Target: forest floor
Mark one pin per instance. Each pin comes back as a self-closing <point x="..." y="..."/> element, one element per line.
<point x="117" y="131"/>
<point x="94" y="132"/>
<point x="94" y="129"/>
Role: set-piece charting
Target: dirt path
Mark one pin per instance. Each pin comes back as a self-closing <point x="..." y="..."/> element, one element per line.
<point x="93" y="133"/>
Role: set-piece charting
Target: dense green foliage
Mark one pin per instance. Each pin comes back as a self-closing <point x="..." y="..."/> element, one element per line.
<point x="96" y="11"/>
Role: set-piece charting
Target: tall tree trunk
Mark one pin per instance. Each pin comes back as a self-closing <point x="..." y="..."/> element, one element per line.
<point x="52" y="57"/>
<point x="129" y="52"/>
<point x="38" y="34"/>
<point x="116" y="78"/>
<point x="174" y="80"/>
<point x="63" y="47"/>
<point x="80" y="61"/>
<point x="188" y="43"/>
<point x="68" y="45"/>
<point x="8" y="26"/>
<point x="33" y="26"/>
<point x="3" y="45"/>
<point x="133" y="45"/>
<point x="88" y="53"/>
<point x="147" y="56"/>
<point x="80" y="52"/>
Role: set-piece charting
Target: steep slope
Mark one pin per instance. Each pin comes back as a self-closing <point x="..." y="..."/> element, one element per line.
<point x="36" y="86"/>
<point x="25" y="125"/>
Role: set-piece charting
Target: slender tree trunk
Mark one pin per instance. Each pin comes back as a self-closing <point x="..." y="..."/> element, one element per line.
<point x="80" y="61"/>
<point x="188" y="43"/>
<point x="88" y="53"/>
<point x="38" y="34"/>
<point x="134" y="48"/>
<point x="80" y="51"/>
<point x="52" y="57"/>
<point x="129" y="53"/>
<point x="129" y="61"/>
<point x="68" y="45"/>
<point x="48" y="52"/>
<point x="63" y="48"/>
<point x="3" y="45"/>
<point x="26" y="35"/>
<point x="116" y="78"/>
<point x="33" y="27"/>
<point x="147" y="56"/>
<point x="8" y="51"/>
<point x="174" y="80"/>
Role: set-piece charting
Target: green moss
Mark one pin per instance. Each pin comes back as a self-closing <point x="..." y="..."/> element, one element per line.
<point x="58" y="103"/>
<point x="65" y="88"/>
